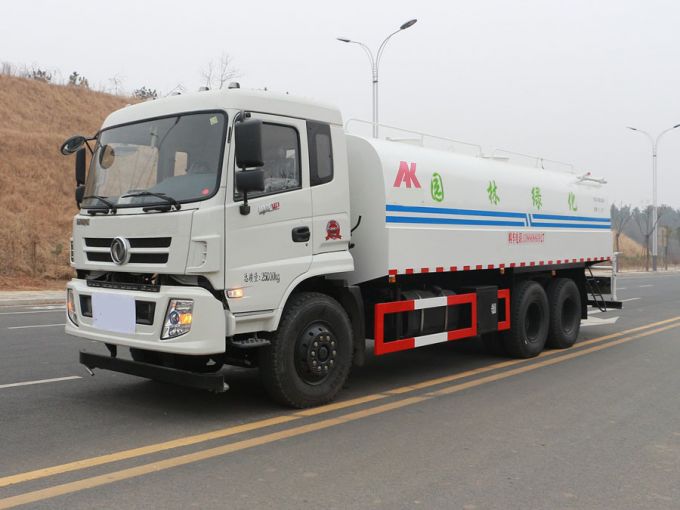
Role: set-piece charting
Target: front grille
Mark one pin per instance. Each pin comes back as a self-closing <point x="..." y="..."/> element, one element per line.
<point x="99" y="256"/>
<point x="144" y="310"/>
<point x="135" y="258"/>
<point x="143" y="287"/>
<point x="150" y="242"/>
<point x="98" y="242"/>
<point x="135" y="242"/>
<point x="148" y="258"/>
<point x="143" y="250"/>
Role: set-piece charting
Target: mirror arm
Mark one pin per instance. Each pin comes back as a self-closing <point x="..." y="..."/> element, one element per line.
<point x="241" y="116"/>
<point x="244" y="208"/>
<point x="90" y="148"/>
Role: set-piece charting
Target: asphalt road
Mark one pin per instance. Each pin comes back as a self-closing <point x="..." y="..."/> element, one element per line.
<point x="446" y="426"/>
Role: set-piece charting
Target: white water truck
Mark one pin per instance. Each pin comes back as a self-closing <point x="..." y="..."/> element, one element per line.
<point x="248" y="228"/>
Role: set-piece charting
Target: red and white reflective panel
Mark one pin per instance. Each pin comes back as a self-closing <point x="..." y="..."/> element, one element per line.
<point x="382" y="309"/>
<point x="504" y="295"/>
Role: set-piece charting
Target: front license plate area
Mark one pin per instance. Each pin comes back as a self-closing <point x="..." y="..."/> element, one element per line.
<point x="115" y="313"/>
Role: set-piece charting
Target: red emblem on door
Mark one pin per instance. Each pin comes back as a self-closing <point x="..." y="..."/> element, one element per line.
<point x="333" y="230"/>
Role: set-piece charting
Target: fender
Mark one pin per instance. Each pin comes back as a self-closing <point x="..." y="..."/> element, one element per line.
<point x="322" y="265"/>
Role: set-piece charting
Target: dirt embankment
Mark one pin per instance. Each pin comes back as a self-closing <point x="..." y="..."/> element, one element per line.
<point x="36" y="181"/>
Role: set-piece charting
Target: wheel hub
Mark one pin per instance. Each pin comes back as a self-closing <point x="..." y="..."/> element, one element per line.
<point x="317" y="353"/>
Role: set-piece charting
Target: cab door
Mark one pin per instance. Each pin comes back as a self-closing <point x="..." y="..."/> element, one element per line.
<point x="272" y="245"/>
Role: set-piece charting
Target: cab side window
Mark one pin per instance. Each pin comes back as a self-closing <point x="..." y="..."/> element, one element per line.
<point x="281" y="155"/>
<point x="320" y="153"/>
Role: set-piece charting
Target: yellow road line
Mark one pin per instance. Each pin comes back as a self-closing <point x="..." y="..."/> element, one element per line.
<point x="340" y="405"/>
<point x="153" y="467"/>
<point x="541" y="364"/>
<point x="260" y="424"/>
<point x="88" y="483"/>
<point x="504" y="364"/>
<point x="144" y="450"/>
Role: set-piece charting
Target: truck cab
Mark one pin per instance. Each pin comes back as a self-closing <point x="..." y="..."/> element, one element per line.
<point x="168" y="259"/>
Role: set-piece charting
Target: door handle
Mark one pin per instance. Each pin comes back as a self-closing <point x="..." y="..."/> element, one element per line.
<point x="301" y="234"/>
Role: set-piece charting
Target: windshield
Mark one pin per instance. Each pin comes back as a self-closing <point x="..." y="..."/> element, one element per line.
<point x="179" y="157"/>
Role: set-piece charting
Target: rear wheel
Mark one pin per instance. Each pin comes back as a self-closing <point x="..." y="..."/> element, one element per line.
<point x="529" y="319"/>
<point x="565" y="313"/>
<point x="310" y="355"/>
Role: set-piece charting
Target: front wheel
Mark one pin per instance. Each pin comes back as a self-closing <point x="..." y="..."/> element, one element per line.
<point x="310" y="354"/>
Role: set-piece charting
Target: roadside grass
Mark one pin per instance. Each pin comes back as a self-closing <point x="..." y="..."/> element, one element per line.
<point x="36" y="181"/>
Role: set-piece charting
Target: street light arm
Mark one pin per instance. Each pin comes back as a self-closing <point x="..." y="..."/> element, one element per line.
<point x="664" y="132"/>
<point x="366" y="49"/>
<point x="375" y="62"/>
<point x="404" y="26"/>
<point x="369" y="54"/>
<point x="382" y="47"/>
<point x="651" y="140"/>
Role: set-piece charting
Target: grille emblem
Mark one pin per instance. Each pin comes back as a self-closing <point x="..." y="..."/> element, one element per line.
<point x="120" y="250"/>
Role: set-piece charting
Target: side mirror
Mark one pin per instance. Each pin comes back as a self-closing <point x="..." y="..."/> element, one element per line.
<point x="249" y="181"/>
<point x="249" y="144"/>
<point x="72" y="144"/>
<point x="80" y="167"/>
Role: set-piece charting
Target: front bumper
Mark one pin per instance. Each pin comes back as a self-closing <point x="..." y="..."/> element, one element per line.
<point x="212" y="382"/>
<point x="208" y="329"/>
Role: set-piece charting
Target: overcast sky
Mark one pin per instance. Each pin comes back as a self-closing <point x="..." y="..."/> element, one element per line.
<point x="561" y="79"/>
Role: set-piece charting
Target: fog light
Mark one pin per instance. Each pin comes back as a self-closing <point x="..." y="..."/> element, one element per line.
<point x="71" y="307"/>
<point x="178" y="318"/>
<point x="235" y="293"/>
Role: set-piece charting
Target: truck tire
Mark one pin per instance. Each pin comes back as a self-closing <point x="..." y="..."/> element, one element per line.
<point x="565" y="313"/>
<point x="310" y="354"/>
<point x="530" y="318"/>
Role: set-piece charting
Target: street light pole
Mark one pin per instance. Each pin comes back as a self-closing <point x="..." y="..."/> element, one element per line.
<point x="655" y="144"/>
<point x="375" y="65"/>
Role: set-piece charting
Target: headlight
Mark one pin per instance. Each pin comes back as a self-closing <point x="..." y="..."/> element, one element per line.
<point x="71" y="307"/>
<point x="178" y="318"/>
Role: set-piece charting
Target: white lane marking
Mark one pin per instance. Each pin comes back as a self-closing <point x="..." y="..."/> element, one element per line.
<point x="36" y="311"/>
<point x="622" y="288"/>
<point x="630" y="299"/>
<point x="37" y="326"/>
<point x="42" y="381"/>
<point x="596" y="321"/>
<point x="643" y="286"/>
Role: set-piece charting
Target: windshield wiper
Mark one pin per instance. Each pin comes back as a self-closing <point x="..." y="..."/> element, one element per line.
<point x="169" y="200"/>
<point x="110" y="206"/>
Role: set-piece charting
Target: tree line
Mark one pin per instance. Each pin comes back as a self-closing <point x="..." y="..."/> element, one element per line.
<point x="216" y="74"/>
<point x="637" y="224"/>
